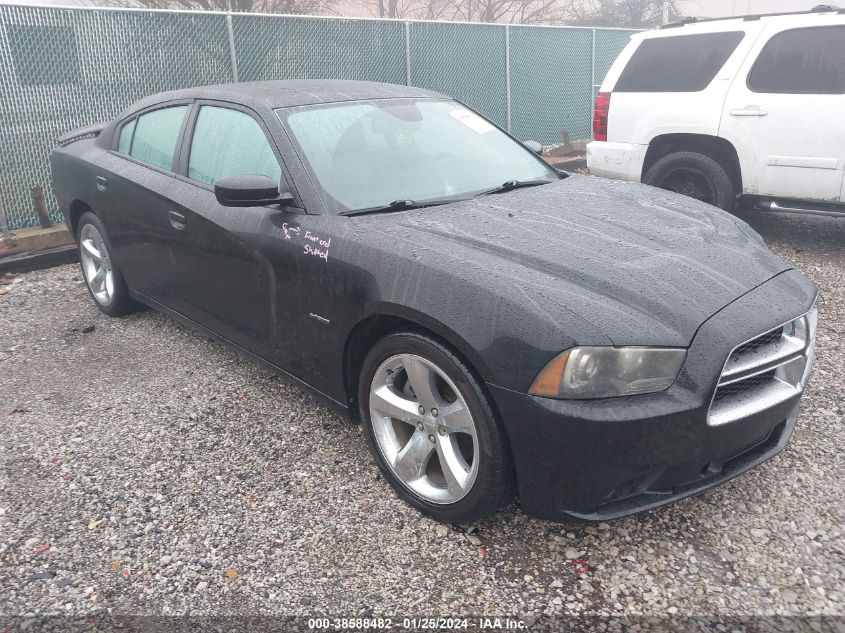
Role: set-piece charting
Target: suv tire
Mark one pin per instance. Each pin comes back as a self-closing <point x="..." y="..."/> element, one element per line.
<point x="695" y="175"/>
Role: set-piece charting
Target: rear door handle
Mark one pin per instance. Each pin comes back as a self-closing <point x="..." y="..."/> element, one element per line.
<point x="177" y="220"/>
<point x="749" y="111"/>
<point x="102" y="183"/>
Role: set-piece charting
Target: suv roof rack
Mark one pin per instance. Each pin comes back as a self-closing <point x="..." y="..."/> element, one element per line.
<point x="820" y="8"/>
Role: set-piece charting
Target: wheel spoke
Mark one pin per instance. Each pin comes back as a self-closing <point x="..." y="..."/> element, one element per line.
<point x="92" y="250"/>
<point x="98" y="281"/>
<point x="391" y="404"/>
<point x="104" y="253"/>
<point x="454" y="467"/>
<point x="421" y="378"/>
<point x="412" y="460"/>
<point x="457" y="418"/>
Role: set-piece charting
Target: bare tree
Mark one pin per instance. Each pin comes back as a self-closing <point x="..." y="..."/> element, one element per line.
<point x="513" y="11"/>
<point x="410" y="9"/>
<point x="242" y="6"/>
<point x="620" y="13"/>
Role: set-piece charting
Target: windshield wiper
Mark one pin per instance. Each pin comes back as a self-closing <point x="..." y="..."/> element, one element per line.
<point x="400" y="205"/>
<point x="510" y="185"/>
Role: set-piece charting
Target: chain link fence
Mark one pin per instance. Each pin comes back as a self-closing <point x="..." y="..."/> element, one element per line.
<point x="62" y="68"/>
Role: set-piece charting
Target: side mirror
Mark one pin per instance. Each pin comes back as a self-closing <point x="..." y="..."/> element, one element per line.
<point x="534" y="146"/>
<point x="249" y="191"/>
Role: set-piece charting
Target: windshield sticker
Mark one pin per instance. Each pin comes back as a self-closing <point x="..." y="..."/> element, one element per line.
<point x="472" y="121"/>
<point x="316" y="246"/>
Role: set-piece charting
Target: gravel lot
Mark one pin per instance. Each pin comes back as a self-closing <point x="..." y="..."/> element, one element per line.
<point x="147" y="470"/>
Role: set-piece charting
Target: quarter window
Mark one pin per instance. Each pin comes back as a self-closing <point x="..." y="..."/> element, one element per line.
<point x="229" y="142"/>
<point x="802" y="61"/>
<point x="683" y="63"/>
<point x="125" y="141"/>
<point x="155" y="136"/>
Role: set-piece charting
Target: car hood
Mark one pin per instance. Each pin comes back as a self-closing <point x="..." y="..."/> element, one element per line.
<point x="644" y="266"/>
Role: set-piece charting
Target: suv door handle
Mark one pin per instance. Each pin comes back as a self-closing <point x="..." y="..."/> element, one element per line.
<point x="749" y="111"/>
<point x="102" y="183"/>
<point x="177" y="220"/>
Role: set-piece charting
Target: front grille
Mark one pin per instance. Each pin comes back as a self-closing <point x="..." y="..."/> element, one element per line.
<point x="725" y="392"/>
<point x="769" y="338"/>
<point x="765" y="371"/>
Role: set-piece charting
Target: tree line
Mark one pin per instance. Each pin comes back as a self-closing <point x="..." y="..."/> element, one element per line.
<point x="604" y="13"/>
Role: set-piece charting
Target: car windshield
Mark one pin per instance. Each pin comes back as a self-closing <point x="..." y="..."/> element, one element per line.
<point x="371" y="154"/>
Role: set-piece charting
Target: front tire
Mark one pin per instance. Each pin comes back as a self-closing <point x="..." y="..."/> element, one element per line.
<point x="695" y="175"/>
<point x="432" y="431"/>
<point x="102" y="277"/>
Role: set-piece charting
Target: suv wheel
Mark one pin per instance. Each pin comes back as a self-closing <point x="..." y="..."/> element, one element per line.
<point x="695" y="175"/>
<point x="431" y="429"/>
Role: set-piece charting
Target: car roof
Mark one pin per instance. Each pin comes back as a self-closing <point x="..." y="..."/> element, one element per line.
<point x="289" y="93"/>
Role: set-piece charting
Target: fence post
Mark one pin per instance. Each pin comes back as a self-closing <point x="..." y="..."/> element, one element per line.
<point x="4" y="223"/>
<point x="40" y="206"/>
<point x="233" y="56"/>
<point x="592" y="79"/>
<point x="407" y="53"/>
<point x="508" y="72"/>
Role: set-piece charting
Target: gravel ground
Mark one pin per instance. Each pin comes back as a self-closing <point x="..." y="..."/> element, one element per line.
<point x="147" y="470"/>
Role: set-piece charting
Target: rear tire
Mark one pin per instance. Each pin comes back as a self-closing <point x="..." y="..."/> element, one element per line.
<point x="102" y="277"/>
<point x="695" y="175"/>
<point x="451" y="462"/>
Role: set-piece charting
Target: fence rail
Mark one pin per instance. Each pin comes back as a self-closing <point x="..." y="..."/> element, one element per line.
<point x="64" y="67"/>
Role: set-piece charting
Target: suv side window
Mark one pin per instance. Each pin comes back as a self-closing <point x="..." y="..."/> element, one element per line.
<point x="229" y="142"/>
<point x="802" y="61"/>
<point x="683" y="63"/>
<point x="155" y="135"/>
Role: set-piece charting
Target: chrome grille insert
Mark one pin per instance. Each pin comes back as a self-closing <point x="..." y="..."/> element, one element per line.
<point x="765" y="371"/>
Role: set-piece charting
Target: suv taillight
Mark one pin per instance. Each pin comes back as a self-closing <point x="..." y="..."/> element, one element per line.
<point x="600" y="116"/>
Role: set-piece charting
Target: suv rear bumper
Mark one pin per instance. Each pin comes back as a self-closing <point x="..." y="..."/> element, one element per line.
<point x="623" y="161"/>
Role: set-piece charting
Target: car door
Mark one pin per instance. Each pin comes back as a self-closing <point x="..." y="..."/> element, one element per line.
<point x="784" y="114"/>
<point x="220" y="274"/>
<point x="133" y="182"/>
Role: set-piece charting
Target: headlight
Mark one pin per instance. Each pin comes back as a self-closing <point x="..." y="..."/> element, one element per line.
<point x="803" y="329"/>
<point x="604" y="372"/>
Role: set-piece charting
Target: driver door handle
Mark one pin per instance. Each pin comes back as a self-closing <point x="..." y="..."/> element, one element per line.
<point x="177" y="220"/>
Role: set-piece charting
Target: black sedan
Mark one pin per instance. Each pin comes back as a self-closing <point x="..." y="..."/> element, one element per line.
<point x="499" y="328"/>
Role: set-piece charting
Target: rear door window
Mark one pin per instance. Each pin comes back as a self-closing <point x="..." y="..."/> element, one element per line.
<point x="156" y="134"/>
<point x="683" y="63"/>
<point x="229" y="142"/>
<point x="802" y="61"/>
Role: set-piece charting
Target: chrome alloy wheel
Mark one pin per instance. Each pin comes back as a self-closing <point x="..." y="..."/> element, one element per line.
<point x="96" y="264"/>
<point x="424" y="428"/>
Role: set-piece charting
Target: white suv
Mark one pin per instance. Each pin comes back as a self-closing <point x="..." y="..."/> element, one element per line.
<point x="718" y="109"/>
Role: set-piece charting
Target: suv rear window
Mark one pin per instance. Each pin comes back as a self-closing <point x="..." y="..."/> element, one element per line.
<point x="684" y="63"/>
<point x="802" y="61"/>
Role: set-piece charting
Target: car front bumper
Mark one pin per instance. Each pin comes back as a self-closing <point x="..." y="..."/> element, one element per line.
<point x="601" y="459"/>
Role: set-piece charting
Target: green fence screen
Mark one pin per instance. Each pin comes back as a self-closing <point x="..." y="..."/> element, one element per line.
<point x="64" y="68"/>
